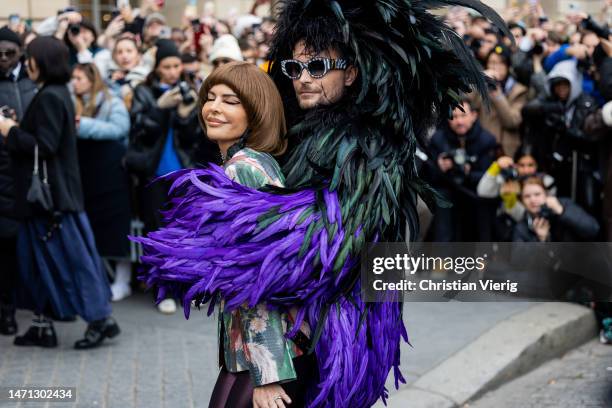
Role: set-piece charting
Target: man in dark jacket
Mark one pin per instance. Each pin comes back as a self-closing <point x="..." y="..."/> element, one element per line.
<point x="16" y="92"/>
<point x="554" y="130"/>
<point x="461" y="152"/>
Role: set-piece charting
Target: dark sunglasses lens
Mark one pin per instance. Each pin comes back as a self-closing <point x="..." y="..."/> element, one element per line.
<point x="316" y="68"/>
<point x="8" y="54"/>
<point x="293" y="69"/>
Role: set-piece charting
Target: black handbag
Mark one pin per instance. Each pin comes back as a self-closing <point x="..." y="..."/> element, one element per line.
<point x="39" y="194"/>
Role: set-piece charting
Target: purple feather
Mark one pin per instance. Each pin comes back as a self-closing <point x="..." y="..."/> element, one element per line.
<point x="214" y="246"/>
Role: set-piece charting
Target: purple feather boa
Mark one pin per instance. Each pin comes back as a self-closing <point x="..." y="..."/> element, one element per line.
<point x="215" y="245"/>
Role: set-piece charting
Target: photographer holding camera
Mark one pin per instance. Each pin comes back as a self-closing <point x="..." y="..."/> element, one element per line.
<point x="551" y="219"/>
<point x="502" y="180"/>
<point x="554" y="132"/>
<point x="463" y="151"/>
<point x="503" y="117"/>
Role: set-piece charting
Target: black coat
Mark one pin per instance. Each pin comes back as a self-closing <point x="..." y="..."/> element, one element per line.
<point x="479" y="144"/>
<point x="605" y="83"/>
<point x="546" y="131"/>
<point x="17" y="94"/>
<point x="48" y="122"/>
<point x="573" y="225"/>
<point x="149" y="131"/>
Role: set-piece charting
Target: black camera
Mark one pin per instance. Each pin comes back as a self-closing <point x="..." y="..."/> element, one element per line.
<point x="509" y="173"/>
<point x="459" y="157"/>
<point x="545" y="212"/>
<point x="74" y="29"/>
<point x="186" y="93"/>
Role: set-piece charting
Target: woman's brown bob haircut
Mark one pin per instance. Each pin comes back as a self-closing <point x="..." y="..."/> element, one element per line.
<point x="260" y="99"/>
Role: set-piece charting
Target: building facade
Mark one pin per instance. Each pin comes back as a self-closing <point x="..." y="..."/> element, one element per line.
<point x="98" y="11"/>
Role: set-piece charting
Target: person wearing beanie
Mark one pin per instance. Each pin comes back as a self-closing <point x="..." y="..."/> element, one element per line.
<point x="16" y="92"/>
<point x="225" y="49"/>
<point x="12" y="70"/>
<point x="165" y="135"/>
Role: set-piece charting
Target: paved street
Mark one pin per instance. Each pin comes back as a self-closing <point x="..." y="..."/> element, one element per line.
<point x="166" y="361"/>
<point x="581" y="378"/>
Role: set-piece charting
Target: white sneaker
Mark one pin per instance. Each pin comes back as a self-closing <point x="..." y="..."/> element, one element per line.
<point x="167" y="306"/>
<point x="120" y="291"/>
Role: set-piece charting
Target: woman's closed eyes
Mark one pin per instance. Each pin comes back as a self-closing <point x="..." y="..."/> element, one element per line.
<point x="229" y="99"/>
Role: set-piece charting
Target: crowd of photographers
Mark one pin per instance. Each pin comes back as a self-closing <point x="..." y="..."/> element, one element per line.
<point x="533" y="162"/>
<point x="131" y="98"/>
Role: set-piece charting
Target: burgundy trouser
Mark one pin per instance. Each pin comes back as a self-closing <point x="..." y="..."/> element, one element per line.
<point x="235" y="390"/>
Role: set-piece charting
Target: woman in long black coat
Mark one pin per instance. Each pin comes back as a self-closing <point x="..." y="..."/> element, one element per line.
<point x="59" y="265"/>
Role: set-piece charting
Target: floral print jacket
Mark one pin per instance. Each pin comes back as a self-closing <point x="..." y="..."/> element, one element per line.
<point x="254" y="338"/>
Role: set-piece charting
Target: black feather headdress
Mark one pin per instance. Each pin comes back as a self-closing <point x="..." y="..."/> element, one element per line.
<point x="412" y="66"/>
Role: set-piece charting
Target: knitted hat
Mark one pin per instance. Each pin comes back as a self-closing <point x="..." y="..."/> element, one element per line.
<point x="6" y="34"/>
<point x="165" y="48"/>
<point x="226" y="46"/>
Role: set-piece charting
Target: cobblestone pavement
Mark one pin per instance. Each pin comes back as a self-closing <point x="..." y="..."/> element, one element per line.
<point x="581" y="378"/>
<point x="167" y="361"/>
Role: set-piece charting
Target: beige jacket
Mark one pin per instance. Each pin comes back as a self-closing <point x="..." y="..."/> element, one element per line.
<point x="504" y="119"/>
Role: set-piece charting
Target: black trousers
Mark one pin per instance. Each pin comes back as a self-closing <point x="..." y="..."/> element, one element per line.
<point x="235" y="390"/>
<point x="8" y="272"/>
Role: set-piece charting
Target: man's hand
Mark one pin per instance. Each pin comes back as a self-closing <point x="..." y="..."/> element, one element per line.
<point x="5" y="126"/>
<point x="267" y="396"/>
<point x="170" y="99"/>
<point x="553" y="203"/>
<point x="541" y="226"/>
<point x="445" y="163"/>
<point x="185" y="110"/>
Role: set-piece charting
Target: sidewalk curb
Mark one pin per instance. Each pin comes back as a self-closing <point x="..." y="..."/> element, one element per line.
<point x="509" y="349"/>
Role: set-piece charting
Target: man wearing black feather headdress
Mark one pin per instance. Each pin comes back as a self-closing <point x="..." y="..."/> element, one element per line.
<point x="361" y="81"/>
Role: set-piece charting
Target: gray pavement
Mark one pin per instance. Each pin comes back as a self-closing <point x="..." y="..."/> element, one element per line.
<point x="166" y="361"/>
<point x="581" y="378"/>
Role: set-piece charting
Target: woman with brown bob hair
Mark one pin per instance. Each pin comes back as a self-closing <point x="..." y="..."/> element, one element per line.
<point x="261" y="102"/>
<point x="242" y="111"/>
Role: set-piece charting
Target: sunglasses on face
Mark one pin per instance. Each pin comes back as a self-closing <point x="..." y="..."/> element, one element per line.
<point x="7" y="53"/>
<point x="317" y="67"/>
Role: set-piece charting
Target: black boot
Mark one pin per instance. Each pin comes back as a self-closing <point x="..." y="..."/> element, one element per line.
<point x="96" y="332"/>
<point x="8" y="324"/>
<point x="41" y="333"/>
